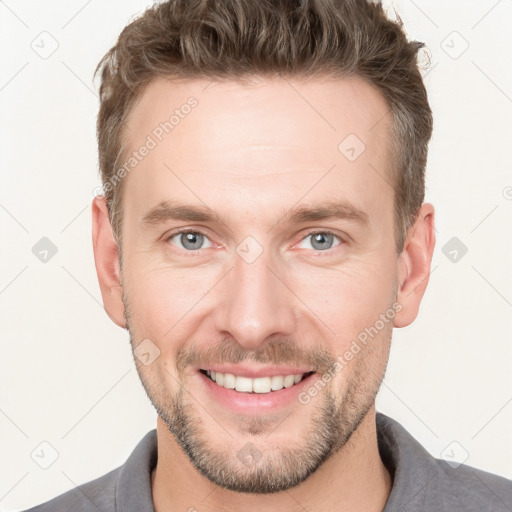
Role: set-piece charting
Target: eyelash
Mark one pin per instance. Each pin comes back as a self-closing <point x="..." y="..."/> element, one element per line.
<point x="196" y="252"/>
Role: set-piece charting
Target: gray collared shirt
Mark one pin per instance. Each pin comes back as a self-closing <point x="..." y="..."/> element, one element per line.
<point x="420" y="481"/>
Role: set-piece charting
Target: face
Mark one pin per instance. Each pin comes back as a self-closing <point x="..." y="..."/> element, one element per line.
<point x="258" y="244"/>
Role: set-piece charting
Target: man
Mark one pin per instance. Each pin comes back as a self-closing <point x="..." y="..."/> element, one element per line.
<point x="262" y="232"/>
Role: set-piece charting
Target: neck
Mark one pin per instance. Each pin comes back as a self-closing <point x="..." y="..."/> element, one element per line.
<point x="354" y="479"/>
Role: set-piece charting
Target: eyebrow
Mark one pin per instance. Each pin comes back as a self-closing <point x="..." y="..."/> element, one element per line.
<point x="166" y="211"/>
<point x="342" y="210"/>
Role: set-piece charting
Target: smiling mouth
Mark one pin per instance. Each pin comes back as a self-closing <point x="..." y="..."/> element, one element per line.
<point x="256" y="385"/>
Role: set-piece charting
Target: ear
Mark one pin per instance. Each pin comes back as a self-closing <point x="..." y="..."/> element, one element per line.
<point x="107" y="263"/>
<point x="414" y="266"/>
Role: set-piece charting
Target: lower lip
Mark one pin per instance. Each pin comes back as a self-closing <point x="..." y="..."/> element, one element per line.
<point x="255" y="402"/>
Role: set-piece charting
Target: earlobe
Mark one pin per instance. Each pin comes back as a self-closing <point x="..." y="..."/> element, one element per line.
<point x="414" y="266"/>
<point x="106" y="258"/>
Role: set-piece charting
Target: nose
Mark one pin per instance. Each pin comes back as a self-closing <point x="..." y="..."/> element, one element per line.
<point x="254" y="303"/>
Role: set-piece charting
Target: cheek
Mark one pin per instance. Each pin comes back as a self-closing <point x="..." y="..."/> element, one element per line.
<point x="163" y="300"/>
<point x="166" y="303"/>
<point x="349" y="298"/>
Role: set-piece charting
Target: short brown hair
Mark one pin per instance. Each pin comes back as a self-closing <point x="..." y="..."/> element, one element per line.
<point x="232" y="39"/>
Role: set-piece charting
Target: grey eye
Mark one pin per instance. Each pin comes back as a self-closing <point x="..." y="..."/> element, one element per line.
<point x="320" y="241"/>
<point x="190" y="241"/>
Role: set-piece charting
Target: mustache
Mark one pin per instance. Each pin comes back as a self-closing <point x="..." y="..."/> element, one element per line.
<point x="275" y="352"/>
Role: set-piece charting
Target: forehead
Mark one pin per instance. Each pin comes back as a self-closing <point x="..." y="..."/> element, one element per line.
<point x="261" y="142"/>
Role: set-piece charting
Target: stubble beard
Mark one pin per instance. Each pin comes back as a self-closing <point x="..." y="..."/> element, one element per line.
<point x="332" y="422"/>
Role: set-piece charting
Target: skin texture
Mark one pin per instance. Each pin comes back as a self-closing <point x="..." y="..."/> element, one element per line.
<point x="252" y="152"/>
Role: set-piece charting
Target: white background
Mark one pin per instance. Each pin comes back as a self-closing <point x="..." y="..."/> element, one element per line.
<point x="67" y="374"/>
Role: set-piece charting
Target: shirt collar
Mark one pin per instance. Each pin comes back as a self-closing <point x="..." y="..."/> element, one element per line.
<point x="410" y="465"/>
<point x="133" y="488"/>
<point x="399" y="451"/>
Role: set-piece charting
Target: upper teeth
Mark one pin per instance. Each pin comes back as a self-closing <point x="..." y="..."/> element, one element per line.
<point x="258" y="385"/>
